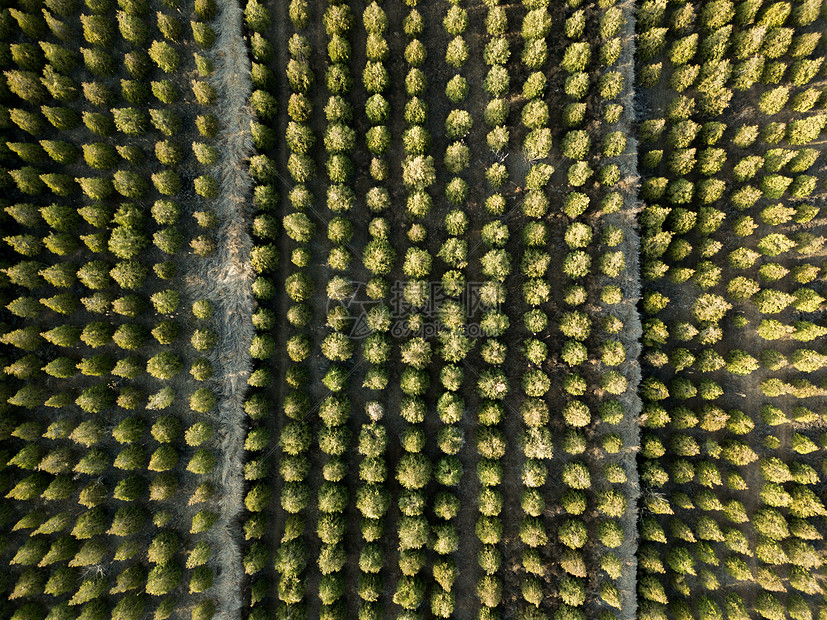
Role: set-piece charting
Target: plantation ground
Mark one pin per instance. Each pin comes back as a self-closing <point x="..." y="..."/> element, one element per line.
<point x="514" y="310"/>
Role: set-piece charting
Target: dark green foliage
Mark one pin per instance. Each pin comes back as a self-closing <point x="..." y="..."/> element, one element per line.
<point x="165" y="365"/>
<point x="264" y="104"/>
<point x="26" y="85"/>
<point x="164" y="55"/>
<point x="168" y="122"/>
<point x="162" y="578"/>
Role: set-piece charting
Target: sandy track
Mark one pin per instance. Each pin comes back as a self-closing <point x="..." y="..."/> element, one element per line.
<point x="225" y="281"/>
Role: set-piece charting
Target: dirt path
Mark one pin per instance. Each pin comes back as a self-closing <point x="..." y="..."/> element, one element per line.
<point x="229" y="276"/>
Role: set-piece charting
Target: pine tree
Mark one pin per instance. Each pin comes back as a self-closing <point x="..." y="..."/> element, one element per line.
<point x="29" y="152"/>
<point x="25" y="274"/>
<point x="61" y="118"/>
<point x="164" y="55"/>
<point x="28" y="180"/>
<point x="30" y="23"/>
<point x="60" y="184"/>
<point x="26" y="338"/>
<point x="60" y="58"/>
<point x="60" y="87"/>
<point x="30" y="122"/>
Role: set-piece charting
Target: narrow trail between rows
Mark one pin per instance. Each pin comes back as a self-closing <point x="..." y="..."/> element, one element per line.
<point x="226" y="281"/>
